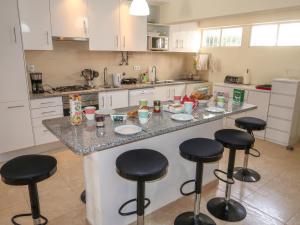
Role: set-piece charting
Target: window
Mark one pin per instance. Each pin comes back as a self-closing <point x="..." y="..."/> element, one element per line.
<point x="211" y="38"/>
<point x="232" y="36"/>
<point x="282" y="34"/>
<point x="264" y="35"/>
<point x="289" y="34"/>
<point x="225" y="37"/>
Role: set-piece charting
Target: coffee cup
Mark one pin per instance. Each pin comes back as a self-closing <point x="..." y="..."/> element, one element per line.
<point x="144" y="115"/>
<point x="188" y="107"/>
<point x="89" y="112"/>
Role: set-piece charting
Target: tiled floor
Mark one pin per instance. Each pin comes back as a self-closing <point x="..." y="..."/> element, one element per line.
<point x="275" y="200"/>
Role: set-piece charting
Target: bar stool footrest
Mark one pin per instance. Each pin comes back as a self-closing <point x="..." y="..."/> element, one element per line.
<point x="182" y="186"/>
<point x="147" y="203"/>
<point x="257" y="152"/>
<point x="27" y="214"/>
<point x="228" y="181"/>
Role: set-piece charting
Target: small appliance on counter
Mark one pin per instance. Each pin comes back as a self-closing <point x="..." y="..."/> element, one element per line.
<point x="158" y="43"/>
<point x="232" y="79"/>
<point x="37" y="83"/>
<point x="129" y="81"/>
<point x="117" y="79"/>
<point x="89" y="75"/>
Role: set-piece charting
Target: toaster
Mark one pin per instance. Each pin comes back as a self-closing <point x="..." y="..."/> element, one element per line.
<point x="231" y="79"/>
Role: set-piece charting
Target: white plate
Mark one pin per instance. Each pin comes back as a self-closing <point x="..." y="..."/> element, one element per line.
<point x="215" y="110"/>
<point x="182" y="117"/>
<point x="128" y="129"/>
<point x="105" y="111"/>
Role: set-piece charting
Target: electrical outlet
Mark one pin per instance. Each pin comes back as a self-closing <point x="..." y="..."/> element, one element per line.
<point x="136" y="68"/>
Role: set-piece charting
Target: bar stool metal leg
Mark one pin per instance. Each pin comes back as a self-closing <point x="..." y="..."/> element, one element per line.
<point x="226" y="208"/>
<point x="196" y="217"/>
<point x="244" y="173"/>
<point x="140" y="202"/>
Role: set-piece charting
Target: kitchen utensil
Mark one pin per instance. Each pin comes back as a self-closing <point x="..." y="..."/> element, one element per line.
<point x="89" y="112"/>
<point x="117" y="78"/>
<point x="89" y="75"/>
<point x="214" y="109"/>
<point x="188" y="107"/>
<point x="128" y="129"/>
<point x="144" y="115"/>
<point x="182" y="117"/>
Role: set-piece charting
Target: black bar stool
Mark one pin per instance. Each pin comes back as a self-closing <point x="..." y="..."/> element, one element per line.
<point x="250" y="124"/>
<point x="225" y="208"/>
<point x="29" y="170"/>
<point x="140" y="165"/>
<point x="199" y="150"/>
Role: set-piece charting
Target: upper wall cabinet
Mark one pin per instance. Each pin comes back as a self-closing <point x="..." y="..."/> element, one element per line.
<point x="35" y="24"/>
<point x="69" y="18"/>
<point x="104" y="25"/>
<point x="184" y="37"/>
<point x="13" y="85"/>
<point x="133" y="29"/>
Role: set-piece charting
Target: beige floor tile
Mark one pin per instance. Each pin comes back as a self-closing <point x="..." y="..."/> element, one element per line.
<point x="295" y="220"/>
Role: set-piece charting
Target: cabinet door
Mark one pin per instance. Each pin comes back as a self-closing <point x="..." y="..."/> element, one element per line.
<point x="36" y="32"/>
<point x="178" y="90"/>
<point x="162" y="93"/>
<point x="69" y="18"/>
<point x="15" y="126"/>
<point x="104" y="25"/>
<point x="174" y="43"/>
<point x="133" y="29"/>
<point x="261" y="100"/>
<point x="119" y="99"/>
<point x="13" y="85"/>
<point x="192" y="38"/>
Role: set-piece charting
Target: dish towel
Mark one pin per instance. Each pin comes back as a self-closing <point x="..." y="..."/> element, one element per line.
<point x="202" y="62"/>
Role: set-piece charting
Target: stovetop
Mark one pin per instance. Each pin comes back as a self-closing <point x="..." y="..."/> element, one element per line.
<point x="72" y="88"/>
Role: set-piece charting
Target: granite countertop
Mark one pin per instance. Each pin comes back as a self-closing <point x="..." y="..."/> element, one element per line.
<point x="86" y="138"/>
<point x="122" y="87"/>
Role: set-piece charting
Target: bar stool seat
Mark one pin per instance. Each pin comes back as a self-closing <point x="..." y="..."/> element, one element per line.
<point x="29" y="170"/>
<point x="226" y="208"/>
<point x="250" y="123"/>
<point x="140" y="165"/>
<point x="199" y="150"/>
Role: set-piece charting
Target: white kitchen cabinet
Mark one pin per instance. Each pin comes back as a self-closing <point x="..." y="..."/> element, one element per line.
<point x="133" y="29"/>
<point x="104" y="25"/>
<point x="42" y="109"/>
<point x="167" y="93"/>
<point x="15" y="129"/>
<point x="69" y="18"/>
<point x="113" y="99"/>
<point x="184" y="37"/>
<point x="13" y="85"/>
<point x="35" y="24"/>
<point x="177" y="90"/>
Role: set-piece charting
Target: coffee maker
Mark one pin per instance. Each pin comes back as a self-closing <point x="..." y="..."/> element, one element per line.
<point x="37" y="83"/>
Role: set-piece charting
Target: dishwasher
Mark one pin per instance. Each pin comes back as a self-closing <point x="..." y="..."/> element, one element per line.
<point x="136" y="95"/>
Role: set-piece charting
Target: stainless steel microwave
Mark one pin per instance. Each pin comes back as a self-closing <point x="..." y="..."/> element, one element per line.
<point x="158" y="43"/>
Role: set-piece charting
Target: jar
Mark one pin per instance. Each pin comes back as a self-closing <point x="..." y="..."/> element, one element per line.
<point x="156" y="105"/>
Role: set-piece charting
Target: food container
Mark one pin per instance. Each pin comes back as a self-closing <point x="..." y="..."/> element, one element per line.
<point x="118" y="117"/>
<point x="238" y="96"/>
<point x="75" y="110"/>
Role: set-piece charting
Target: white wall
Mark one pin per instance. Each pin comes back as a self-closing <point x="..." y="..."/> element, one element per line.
<point x="265" y="63"/>
<point x="185" y="10"/>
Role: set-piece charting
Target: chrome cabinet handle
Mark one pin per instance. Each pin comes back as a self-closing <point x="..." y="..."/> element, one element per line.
<point x="117" y="41"/>
<point x="46" y="103"/>
<point x="111" y="100"/>
<point x="176" y="44"/>
<point x="124" y="42"/>
<point x="15" y="35"/>
<point x="15" y="106"/>
<point x="84" y="27"/>
<point x="43" y="113"/>
<point x="47" y="33"/>
<point x="103" y="101"/>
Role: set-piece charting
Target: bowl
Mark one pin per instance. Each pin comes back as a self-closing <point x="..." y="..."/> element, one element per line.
<point x="118" y="117"/>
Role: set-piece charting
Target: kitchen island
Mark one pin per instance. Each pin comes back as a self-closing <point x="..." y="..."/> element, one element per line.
<point x="106" y="190"/>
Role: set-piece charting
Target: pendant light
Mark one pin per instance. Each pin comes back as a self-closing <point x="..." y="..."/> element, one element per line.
<point x="139" y="8"/>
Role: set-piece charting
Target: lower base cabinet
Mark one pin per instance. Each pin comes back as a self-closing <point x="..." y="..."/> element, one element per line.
<point x="16" y="128"/>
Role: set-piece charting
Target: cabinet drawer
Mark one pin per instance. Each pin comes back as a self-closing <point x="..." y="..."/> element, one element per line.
<point x="43" y="136"/>
<point x="284" y="88"/>
<point x="280" y="112"/>
<point x="46" y="102"/>
<point x="277" y="136"/>
<point x="279" y="124"/>
<point x="48" y="111"/>
<point x="282" y="100"/>
<point x="37" y="122"/>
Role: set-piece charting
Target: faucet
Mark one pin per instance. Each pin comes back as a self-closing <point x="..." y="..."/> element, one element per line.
<point x="153" y="72"/>
<point x="104" y="76"/>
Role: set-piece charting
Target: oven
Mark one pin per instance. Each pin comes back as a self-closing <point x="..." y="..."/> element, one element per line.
<point x="158" y="43"/>
<point x="90" y="99"/>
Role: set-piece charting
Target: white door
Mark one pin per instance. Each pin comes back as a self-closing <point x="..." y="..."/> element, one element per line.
<point x="178" y="90"/>
<point x="13" y="85"/>
<point x="15" y="126"/>
<point x="69" y="18"/>
<point x="174" y="38"/>
<point x="133" y="29"/>
<point x="35" y="24"/>
<point x="119" y="99"/>
<point x="104" y="25"/>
